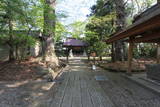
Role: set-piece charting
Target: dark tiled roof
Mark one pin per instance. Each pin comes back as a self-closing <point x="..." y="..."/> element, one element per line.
<point x="74" y="42"/>
<point x="147" y="12"/>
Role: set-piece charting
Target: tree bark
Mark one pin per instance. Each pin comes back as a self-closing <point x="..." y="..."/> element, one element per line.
<point x="100" y="58"/>
<point x="16" y="51"/>
<point x="119" y="46"/>
<point x="11" y="46"/>
<point x="88" y="57"/>
<point x="49" y="32"/>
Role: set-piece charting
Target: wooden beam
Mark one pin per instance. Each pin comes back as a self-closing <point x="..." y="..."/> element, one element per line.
<point x="150" y="41"/>
<point x="148" y="38"/>
<point x="130" y="56"/>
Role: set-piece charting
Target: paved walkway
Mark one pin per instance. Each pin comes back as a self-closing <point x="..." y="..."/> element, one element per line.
<point x="80" y="89"/>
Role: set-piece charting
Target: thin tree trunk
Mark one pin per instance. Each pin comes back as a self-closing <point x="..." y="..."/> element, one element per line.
<point x="16" y="51"/>
<point x="88" y="57"/>
<point x="100" y="58"/>
<point x="11" y="46"/>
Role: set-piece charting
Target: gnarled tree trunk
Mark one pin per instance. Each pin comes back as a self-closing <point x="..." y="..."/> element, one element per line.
<point x="49" y="32"/>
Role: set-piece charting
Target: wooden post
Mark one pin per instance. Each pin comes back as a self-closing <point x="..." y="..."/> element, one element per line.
<point x="130" y="56"/>
<point x="94" y="57"/>
<point x="158" y="53"/>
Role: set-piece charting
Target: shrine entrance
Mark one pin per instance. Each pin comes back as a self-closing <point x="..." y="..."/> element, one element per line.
<point x="75" y="48"/>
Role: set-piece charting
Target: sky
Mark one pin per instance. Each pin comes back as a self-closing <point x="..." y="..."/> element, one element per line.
<point x="76" y="10"/>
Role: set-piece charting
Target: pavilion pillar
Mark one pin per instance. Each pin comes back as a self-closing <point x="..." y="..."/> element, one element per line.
<point x="158" y="53"/>
<point x="130" y="56"/>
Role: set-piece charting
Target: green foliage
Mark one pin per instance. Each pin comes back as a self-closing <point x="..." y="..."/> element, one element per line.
<point x="3" y="38"/>
<point x="103" y="23"/>
<point x="91" y="38"/>
<point x="100" y="26"/>
<point x="20" y="39"/>
<point x="103" y="26"/>
<point x="98" y="29"/>
<point x="36" y="14"/>
<point x="15" y="10"/>
<point x="60" y="32"/>
<point x="24" y="40"/>
<point x="95" y="45"/>
<point x="100" y="48"/>
<point x="103" y="7"/>
<point x="16" y="15"/>
<point x="145" y="50"/>
<point x="77" y="29"/>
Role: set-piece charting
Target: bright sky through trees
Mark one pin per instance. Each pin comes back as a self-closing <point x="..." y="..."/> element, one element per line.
<point x="76" y="10"/>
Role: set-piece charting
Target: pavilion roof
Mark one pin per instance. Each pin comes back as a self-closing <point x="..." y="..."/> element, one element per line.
<point x="74" y="42"/>
<point x="146" y="28"/>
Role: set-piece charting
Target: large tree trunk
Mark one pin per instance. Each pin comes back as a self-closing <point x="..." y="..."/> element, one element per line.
<point x="49" y="32"/>
<point x="119" y="46"/>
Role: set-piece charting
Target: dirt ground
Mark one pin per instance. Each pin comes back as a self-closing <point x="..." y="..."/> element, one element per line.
<point x="31" y="69"/>
<point x="137" y="65"/>
<point x="24" y="93"/>
<point x="22" y="84"/>
<point x="18" y="71"/>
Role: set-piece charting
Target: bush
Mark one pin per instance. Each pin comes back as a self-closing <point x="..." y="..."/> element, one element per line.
<point x="145" y="50"/>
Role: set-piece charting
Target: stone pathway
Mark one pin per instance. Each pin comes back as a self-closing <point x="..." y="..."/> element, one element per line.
<point x="80" y="89"/>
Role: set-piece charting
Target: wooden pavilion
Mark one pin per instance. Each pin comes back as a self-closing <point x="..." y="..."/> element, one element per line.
<point x="75" y="45"/>
<point x="145" y="29"/>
